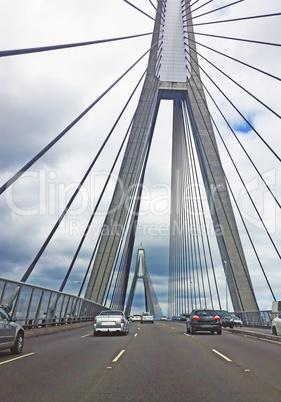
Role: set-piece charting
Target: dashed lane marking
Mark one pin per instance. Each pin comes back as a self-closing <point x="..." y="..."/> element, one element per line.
<point x="16" y="358"/>
<point x="221" y="355"/>
<point x="118" y="356"/>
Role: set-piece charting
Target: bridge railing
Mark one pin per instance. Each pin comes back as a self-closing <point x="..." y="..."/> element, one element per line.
<point x="34" y="306"/>
<point x="255" y="318"/>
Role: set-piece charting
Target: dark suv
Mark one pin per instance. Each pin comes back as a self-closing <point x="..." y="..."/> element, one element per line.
<point x="226" y="319"/>
<point x="11" y="333"/>
<point x="203" y="320"/>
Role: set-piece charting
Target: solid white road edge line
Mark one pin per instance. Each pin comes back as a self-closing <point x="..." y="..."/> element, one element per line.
<point x="16" y="358"/>
<point x="118" y="356"/>
<point x="84" y="336"/>
<point x="221" y="355"/>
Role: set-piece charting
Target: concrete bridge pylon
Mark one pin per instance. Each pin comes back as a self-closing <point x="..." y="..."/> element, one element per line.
<point x="151" y="301"/>
<point x="173" y="73"/>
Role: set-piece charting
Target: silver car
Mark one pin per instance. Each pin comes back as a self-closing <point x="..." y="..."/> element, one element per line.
<point x="111" y="321"/>
<point x="237" y="321"/>
<point x="147" y="317"/>
<point x="11" y="333"/>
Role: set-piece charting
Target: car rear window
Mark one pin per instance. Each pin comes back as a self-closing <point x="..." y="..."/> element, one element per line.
<point x="206" y="313"/>
<point x="111" y="313"/>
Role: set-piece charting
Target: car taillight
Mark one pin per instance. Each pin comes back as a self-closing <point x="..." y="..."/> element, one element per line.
<point x="195" y="317"/>
<point x="95" y="321"/>
<point x="217" y="317"/>
<point x="122" y="320"/>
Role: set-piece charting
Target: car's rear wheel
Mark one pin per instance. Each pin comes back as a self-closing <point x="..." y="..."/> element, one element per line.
<point x="18" y="346"/>
<point x="219" y="332"/>
<point x="192" y="331"/>
<point x="274" y="332"/>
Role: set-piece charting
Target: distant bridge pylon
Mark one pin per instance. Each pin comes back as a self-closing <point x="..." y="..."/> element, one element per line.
<point x="151" y="300"/>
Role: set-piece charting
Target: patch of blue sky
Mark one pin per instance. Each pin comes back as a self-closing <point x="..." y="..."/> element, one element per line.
<point x="242" y="126"/>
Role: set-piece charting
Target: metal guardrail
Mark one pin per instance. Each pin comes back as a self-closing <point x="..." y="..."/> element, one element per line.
<point x="34" y="306"/>
<point x="255" y="318"/>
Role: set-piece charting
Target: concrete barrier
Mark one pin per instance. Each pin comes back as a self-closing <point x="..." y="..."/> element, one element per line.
<point x="54" y="329"/>
<point x="254" y="333"/>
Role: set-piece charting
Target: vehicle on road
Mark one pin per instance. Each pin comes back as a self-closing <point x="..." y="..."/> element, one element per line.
<point x="237" y="322"/>
<point x="136" y="317"/>
<point x="226" y="318"/>
<point x="276" y="325"/>
<point x="204" y="320"/>
<point x="176" y="318"/>
<point x="111" y="321"/>
<point x="147" y="317"/>
<point x="184" y="316"/>
<point x="11" y="333"/>
<point x="164" y="318"/>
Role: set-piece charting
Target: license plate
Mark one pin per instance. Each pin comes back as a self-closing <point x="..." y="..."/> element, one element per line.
<point x="108" y="323"/>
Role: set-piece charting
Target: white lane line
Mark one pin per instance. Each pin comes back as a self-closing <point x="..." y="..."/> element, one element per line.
<point x="118" y="356"/>
<point x="135" y="335"/>
<point x="221" y="355"/>
<point x="84" y="336"/>
<point x="186" y="334"/>
<point x="16" y="358"/>
<point x="173" y="328"/>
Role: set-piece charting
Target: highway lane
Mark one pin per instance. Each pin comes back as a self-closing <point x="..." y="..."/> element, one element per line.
<point x="172" y="366"/>
<point x="61" y="367"/>
<point x="154" y="362"/>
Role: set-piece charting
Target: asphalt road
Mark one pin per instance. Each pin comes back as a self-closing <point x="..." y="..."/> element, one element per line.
<point x="156" y="362"/>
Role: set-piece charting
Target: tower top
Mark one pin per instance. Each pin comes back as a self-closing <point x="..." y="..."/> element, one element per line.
<point x="173" y="47"/>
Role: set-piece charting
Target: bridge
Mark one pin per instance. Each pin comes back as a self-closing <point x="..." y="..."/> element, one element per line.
<point x="173" y="145"/>
<point x="140" y="169"/>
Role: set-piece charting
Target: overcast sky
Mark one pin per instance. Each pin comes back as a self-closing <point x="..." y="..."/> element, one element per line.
<point x="43" y="93"/>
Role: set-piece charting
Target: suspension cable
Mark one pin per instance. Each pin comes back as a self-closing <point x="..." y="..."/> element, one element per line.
<point x="15" y="52"/>
<point x="214" y="10"/>
<point x="237" y="19"/>
<point x="126" y="1"/>
<point x="241" y="87"/>
<point x="238" y="111"/>
<point x="243" y="221"/>
<point x="101" y="195"/>
<point x="257" y="42"/>
<point x="234" y="59"/>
